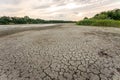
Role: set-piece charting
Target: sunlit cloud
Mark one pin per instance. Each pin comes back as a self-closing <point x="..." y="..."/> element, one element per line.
<point x="56" y="9"/>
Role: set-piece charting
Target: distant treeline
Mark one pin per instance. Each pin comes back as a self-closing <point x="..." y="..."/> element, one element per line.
<point x="27" y="20"/>
<point x="108" y="18"/>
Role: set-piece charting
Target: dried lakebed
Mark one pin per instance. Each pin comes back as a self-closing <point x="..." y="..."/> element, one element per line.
<point x="66" y="52"/>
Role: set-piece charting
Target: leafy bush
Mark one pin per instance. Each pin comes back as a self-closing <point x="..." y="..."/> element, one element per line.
<point x="109" y="18"/>
<point x="94" y="22"/>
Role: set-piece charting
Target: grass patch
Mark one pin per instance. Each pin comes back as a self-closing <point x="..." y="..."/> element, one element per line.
<point x="94" y="22"/>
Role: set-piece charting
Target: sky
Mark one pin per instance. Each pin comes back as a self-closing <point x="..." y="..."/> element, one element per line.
<point x="56" y="9"/>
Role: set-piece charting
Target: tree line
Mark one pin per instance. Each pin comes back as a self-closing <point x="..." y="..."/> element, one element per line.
<point x="27" y="20"/>
<point x="106" y="18"/>
<point x="111" y="15"/>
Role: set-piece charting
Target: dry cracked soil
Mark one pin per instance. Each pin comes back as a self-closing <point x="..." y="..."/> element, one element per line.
<point x="64" y="52"/>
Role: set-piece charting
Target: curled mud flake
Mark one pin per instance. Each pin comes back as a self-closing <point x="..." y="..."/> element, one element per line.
<point x="112" y="73"/>
<point x="87" y="79"/>
<point x="103" y="53"/>
<point x="118" y="69"/>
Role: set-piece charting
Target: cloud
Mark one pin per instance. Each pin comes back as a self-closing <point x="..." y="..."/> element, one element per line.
<point x="10" y="2"/>
<point x="56" y="9"/>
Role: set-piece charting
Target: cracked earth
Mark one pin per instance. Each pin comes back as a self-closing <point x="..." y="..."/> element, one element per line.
<point x="66" y="52"/>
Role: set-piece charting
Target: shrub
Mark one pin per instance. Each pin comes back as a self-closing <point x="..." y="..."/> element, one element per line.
<point x="93" y="22"/>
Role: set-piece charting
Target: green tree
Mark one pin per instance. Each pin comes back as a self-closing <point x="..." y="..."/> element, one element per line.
<point x="5" y="20"/>
<point x="85" y="18"/>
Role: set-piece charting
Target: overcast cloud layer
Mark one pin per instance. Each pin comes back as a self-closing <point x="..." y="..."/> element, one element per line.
<point x="56" y="9"/>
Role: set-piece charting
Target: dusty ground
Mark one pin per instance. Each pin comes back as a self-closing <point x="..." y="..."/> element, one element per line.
<point x="66" y="52"/>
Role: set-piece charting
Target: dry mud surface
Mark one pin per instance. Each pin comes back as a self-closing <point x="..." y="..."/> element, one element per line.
<point x="66" y="52"/>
